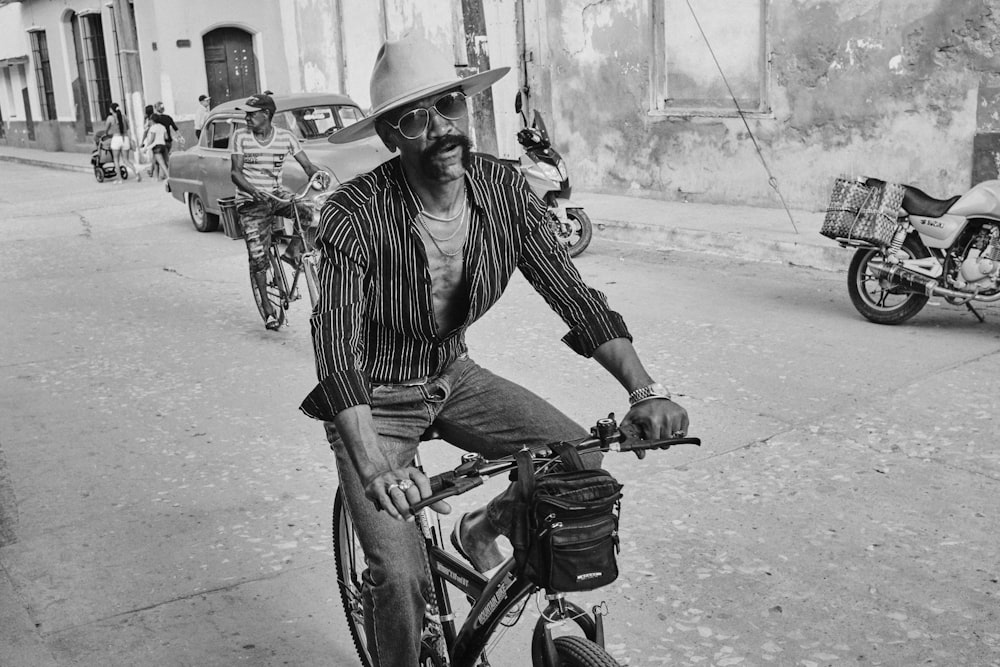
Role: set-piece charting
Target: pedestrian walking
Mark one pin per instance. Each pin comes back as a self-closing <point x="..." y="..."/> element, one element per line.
<point x="117" y="126"/>
<point x="201" y="115"/>
<point x="167" y="121"/>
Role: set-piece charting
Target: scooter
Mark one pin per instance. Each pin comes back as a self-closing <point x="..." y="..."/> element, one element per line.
<point x="545" y="171"/>
<point x="911" y="246"/>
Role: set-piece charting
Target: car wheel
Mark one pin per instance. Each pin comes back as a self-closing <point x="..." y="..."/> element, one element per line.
<point x="202" y="220"/>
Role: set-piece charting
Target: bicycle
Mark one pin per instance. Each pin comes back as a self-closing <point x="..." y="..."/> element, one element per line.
<point x="505" y="595"/>
<point x="280" y="291"/>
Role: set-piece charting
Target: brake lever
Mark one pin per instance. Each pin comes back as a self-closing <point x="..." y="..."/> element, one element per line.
<point x="632" y="433"/>
<point x="665" y="443"/>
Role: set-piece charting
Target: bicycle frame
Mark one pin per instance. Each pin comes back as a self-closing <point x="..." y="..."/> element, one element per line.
<point x="493" y="600"/>
<point x="309" y="260"/>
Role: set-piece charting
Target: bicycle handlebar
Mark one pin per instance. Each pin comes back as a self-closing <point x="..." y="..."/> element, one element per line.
<point x="474" y="470"/>
<point x="298" y="196"/>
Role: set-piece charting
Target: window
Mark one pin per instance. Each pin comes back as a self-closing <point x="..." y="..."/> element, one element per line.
<point x="95" y="64"/>
<point x="319" y="121"/>
<point x="43" y="74"/>
<point x="686" y="79"/>
<point x="350" y="115"/>
<point x="217" y="133"/>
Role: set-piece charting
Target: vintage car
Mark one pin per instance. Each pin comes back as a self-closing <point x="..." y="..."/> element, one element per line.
<point x="200" y="176"/>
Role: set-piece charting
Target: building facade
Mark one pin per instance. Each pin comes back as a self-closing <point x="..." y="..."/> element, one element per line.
<point x="708" y="100"/>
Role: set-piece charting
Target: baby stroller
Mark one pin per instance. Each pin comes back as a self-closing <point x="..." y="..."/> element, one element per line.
<point x="102" y="160"/>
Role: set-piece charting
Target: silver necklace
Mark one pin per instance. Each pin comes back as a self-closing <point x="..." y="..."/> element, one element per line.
<point x="461" y="211"/>
<point x="435" y="239"/>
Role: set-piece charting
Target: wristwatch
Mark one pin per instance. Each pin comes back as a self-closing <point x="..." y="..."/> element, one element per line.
<point x="655" y="390"/>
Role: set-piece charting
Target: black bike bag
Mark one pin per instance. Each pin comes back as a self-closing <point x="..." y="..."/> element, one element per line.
<point x="565" y="533"/>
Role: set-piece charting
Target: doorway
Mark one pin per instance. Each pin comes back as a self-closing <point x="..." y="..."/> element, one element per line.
<point x="230" y="64"/>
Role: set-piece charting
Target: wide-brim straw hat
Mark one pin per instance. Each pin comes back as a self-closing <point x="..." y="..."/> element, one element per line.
<point x="408" y="70"/>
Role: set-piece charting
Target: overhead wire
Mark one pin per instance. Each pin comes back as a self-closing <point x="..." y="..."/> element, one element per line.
<point x="771" y="180"/>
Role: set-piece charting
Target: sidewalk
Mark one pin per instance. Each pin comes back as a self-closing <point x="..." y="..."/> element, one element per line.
<point x="738" y="232"/>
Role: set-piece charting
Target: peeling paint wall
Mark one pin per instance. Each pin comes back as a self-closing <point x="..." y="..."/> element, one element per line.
<point x="887" y="87"/>
<point x="366" y="25"/>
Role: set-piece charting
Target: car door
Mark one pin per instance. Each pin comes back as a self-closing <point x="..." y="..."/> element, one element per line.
<point x="216" y="165"/>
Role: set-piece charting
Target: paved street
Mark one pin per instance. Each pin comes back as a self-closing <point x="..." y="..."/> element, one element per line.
<point x="163" y="502"/>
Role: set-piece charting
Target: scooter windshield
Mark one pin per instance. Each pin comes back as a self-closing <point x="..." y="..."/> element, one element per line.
<point x="539" y="125"/>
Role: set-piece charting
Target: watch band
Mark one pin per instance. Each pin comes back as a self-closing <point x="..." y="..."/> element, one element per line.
<point x="655" y="390"/>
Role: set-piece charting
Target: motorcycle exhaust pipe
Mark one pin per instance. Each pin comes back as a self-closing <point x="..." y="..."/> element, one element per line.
<point x="904" y="277"/>
<point x="916" y="282"/>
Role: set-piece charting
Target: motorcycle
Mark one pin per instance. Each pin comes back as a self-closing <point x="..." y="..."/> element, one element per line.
<point x="911" y="246"/>
<point x="545" y="171"/>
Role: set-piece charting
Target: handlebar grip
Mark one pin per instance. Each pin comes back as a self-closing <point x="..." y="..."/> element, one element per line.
<point x="636" y="444"/>
<point x="455" y="487"/>
<point x="438" y="482"/>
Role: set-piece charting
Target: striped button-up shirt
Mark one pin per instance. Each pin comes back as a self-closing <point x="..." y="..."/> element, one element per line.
<point x="375" y="323"/>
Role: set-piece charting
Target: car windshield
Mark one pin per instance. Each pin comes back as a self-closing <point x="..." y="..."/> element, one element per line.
<point x="318" y="121"/>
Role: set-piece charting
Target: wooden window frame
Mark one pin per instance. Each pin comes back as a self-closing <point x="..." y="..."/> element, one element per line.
<point x="658" y="104"/>
<point x="43" y="74"/>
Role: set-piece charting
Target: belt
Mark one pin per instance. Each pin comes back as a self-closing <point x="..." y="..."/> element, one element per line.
<point x="413" y="382"/>
<point x="418" y="381"/>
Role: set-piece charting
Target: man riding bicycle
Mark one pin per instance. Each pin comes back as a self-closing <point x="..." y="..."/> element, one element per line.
<point x="414" y="252"/>
<point x="259" y="152"/>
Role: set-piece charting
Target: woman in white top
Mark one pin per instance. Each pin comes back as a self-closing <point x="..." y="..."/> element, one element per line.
<point x="155" y="141"/>
<point x="117" y="127"/>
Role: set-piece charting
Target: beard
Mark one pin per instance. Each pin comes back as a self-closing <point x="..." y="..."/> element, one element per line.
<point x="433" y="168"/>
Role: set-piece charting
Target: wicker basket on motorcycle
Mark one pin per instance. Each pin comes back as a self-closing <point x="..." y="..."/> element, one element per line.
<point x="862" y="213"/>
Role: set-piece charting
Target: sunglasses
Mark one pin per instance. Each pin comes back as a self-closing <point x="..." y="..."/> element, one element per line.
<point x="413" y="123"/>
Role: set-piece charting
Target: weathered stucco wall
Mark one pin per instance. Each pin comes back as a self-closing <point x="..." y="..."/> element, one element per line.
<point x="886" y="87"/>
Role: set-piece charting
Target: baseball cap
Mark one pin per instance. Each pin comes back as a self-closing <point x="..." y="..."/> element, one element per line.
<point x="257" y="103"/>
<point x="202" y="98"/>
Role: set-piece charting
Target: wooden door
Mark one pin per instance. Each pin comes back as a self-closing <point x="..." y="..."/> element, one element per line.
<point x="230" y="65"/>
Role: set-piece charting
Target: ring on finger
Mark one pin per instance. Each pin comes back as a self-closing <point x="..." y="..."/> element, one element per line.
<point x="678" y="434"/>
<point x="404" y="484"/>
<point x="394" y="485"/>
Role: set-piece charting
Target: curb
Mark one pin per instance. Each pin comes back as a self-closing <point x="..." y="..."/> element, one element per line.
<point x="738" y="246"/>
<point x="44" y="163"/>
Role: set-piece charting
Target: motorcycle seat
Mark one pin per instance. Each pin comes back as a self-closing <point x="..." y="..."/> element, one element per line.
<point x="918" y="202"/>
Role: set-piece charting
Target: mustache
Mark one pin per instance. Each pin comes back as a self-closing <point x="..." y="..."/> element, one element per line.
<point x="447" y="143"/>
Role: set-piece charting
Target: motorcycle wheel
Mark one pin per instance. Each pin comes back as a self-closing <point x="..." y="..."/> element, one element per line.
<point x="878" y="301"/>
<point x="575" y="232"/>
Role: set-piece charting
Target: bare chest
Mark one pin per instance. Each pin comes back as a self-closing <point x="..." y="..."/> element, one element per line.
<point x="444" y="249"/>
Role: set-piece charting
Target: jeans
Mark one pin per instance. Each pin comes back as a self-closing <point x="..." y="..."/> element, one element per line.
<point x="257" y="218"/>
<point x="471" y="408"/>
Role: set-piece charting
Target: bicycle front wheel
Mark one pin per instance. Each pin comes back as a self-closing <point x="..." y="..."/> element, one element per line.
<point x="580" y="652"/>
<point x="349" y="560"/>
<point x="275" y="291"/>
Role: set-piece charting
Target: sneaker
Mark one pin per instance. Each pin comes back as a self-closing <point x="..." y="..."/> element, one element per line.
<point x="272" y="323"/>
